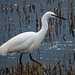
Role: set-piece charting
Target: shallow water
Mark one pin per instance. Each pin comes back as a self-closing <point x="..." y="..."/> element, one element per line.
<point x="51" y="50"/>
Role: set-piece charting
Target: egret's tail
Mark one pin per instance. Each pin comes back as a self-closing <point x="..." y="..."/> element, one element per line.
<point x="2" y="51"/>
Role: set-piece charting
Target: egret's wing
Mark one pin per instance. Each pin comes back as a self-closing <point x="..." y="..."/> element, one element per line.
<point x="19" y="43"/>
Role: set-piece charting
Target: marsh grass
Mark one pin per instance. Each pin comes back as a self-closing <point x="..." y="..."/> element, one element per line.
<point x="35" y="69"/>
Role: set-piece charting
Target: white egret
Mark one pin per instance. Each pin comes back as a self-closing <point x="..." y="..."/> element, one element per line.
<point x="26" y="42"/>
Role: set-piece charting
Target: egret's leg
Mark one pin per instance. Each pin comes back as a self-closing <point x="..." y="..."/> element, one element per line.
<point x="20" y="59"/>
<point x="36" y="62"/>
<point x="21" y="63"/>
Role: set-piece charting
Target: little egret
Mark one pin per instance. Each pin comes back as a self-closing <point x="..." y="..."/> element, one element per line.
<point x="26" y="42"/>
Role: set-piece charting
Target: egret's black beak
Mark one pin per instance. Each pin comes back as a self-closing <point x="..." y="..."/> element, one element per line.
<point x="60" y="17"/>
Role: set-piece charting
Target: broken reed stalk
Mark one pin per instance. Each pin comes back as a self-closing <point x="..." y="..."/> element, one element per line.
<point x="72" y="10"/>
<point x="56" y="69"/>
<point x="9" y="28"/>
<point x="23" y="18"/>
<point x="12" y="72"/>
<point x="49" y="69"/>
<point x="24" y="6"/>
<point x="11" y="8"/>
<point x="68" y="8"/>
<point x="72" y="16"/>
<point x="60" y="21"/>
<point x="27" y="19"/>
<point x="17" y="9"/>
<point x="50" y="31"/>
<point x="36" y="21"/>
<point x="56" y="22"/>
<point x="30" y="10"/>
<point x="56" y="27"/>
<point x="3" y="28"/>
<point x="9" y="20"/>
<point x="69" y="57"/>
<point x="34" y="7"/>
<point x="0" y="71"/>
<point x="59" y="67"/>
<point x="64" y="63"/>
<point x="2" y="8"/>
<point x="40" y="24"/>
<point x="5" y="23"/>
<point x="6" y="8"/>
<point x="53" y="26"/>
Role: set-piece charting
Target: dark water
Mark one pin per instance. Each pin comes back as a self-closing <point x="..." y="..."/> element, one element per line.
<point x="52" y="49"/>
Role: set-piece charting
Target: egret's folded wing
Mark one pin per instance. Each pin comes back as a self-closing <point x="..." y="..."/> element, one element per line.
<point x="17" y="43"/>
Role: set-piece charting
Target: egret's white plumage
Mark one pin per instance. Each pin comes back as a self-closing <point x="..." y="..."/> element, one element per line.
<point x="28" y="41"/>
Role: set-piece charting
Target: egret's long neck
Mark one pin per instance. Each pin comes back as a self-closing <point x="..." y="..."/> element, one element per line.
<point x="44" y="28"/>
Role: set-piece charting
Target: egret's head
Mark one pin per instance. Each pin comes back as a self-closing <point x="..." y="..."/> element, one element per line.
<point x="52" y="15"/>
